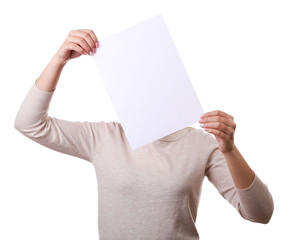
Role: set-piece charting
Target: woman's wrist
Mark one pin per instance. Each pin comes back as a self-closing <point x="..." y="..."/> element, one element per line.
<point x="57" y="61"/>
<point x="231" y="150"/>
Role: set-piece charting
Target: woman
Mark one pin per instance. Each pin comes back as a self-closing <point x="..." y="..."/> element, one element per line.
<point x="152" y="192"/>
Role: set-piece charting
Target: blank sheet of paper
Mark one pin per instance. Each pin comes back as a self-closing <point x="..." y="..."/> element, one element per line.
<point x="147" y="82"/>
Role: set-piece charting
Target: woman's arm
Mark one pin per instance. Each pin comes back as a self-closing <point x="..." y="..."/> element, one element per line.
<point x="80" y="139"/>
<point x="222" y="126"/>
<point x="79" y="42"/>
<point x="230" y="173"/>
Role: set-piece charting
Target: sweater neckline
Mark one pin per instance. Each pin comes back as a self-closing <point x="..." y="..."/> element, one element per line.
<point x="175" y="136"/>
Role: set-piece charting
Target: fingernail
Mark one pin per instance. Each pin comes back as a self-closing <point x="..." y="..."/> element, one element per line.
<point x="85" y="53"/>
<point x="202" y="125"/>
<point x="200" y="121"/>
<point x="91" y="53"/>
<point x="97" y="44"/>
<point x="94" y="50"/>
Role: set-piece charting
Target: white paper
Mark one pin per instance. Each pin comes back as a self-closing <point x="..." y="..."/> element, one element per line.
<point x="147" y="82"/>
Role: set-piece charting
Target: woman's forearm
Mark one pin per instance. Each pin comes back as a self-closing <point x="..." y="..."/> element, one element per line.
<point x="243" y="176"/>
<point x="49" y="78"/>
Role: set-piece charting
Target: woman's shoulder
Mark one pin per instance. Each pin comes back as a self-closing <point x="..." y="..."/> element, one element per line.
<point x="197" y="131"/>
<point x="201" y="136"/>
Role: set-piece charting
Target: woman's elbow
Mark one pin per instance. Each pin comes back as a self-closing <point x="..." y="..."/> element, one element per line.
<point x="265" y="216"/>
<point x="18" y="125"/>
<point x="32" y="129"/>
<point x="258" y="214"/>
<point x="268" y="215"/>
<point x="22" y="126"/>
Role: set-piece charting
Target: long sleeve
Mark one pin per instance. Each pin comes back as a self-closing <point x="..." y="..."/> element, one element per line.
<point x="254" y="203"/>
<point x="79" y="139"/>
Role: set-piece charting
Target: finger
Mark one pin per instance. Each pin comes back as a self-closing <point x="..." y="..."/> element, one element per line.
<point x="85" y="38"/>
<point x="220" y="127"/>
<point x="223" y="120"/>
<point x="93" y="36"/>
<point x="75" y="47"/>
<point x="217" y="113"/>
<point x="81" y="42"/>
<point x="217" y="133"/>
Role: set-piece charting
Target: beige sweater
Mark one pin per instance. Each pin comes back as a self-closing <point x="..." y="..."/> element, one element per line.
<point x="152" y="192"/>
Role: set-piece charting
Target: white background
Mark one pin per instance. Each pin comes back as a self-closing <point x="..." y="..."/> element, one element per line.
<point x="237" y="56"/>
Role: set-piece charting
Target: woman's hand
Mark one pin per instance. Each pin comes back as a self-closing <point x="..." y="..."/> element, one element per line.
<point x="222" y="126"/>
<point x="78" y="42"/>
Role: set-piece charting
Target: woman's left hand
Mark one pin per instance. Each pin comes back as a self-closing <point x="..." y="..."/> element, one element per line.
<point x="222" y="126"/>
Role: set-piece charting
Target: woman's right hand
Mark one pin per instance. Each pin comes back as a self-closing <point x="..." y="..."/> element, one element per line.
<point x="78" y="42"/>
